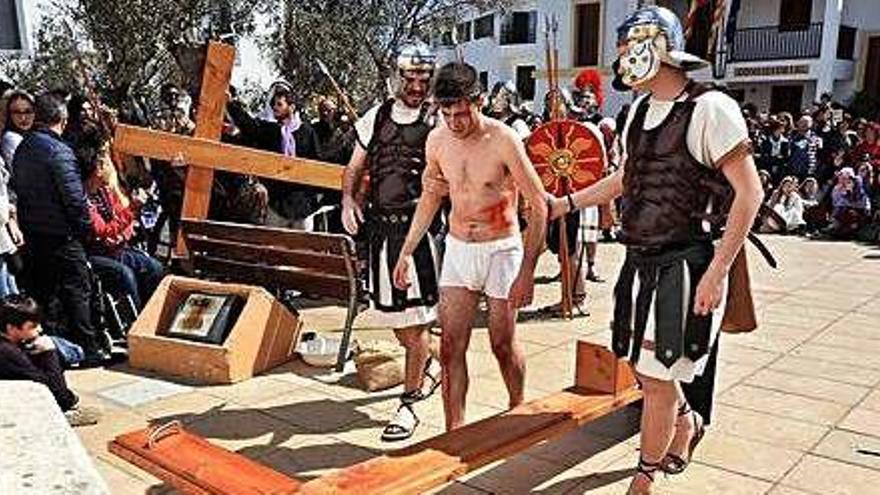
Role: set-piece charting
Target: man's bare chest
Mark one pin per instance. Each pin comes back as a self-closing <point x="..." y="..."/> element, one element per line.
<point x="470" y="168"/>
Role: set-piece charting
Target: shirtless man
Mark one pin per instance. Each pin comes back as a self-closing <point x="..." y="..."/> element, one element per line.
<point x="481" y="164"/>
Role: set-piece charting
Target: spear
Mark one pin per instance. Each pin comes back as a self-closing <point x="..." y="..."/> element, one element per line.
<point x="346" y="103"/>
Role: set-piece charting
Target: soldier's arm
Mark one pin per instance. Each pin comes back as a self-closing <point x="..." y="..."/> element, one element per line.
<point x="434" y="189"/>
<point x="354" y="171"/>
<point x="739" y="169"/>
<point x="600" y="193"/>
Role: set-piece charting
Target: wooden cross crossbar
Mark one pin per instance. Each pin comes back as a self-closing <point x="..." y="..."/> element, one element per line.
<point x="205" y="153"/>
<point x="209" y="154"/>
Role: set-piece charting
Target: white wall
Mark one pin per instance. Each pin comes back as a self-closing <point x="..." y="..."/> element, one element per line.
<point x="759" y="13"/>
<point x="863" y="14"/>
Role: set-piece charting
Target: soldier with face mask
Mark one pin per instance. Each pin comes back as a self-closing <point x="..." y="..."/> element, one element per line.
<point x="687" y="172"/>
<point x="390" y="148"/>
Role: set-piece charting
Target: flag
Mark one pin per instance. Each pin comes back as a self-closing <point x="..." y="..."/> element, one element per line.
<point x="715" y="33"/>
<point x="731" y="21"/>
<point x="692" y="16"/>
<point x="719" y="47"/>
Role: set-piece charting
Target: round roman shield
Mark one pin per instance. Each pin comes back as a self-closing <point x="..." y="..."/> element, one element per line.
<point x="567" y="156"/>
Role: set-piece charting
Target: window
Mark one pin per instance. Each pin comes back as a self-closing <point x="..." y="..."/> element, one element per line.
<point x="463" y="31"/>
<point x="446" y="38"/>
<point x="846" y="42"/>
<point x="484" y="80"/>
<point x="587" y="32"/>
<point x="794" y="15"/>
<point x="484" y="27"/>
<point x="519" y="28"/>
<point x="871" y="82"/>
<point x="10" y="37"/>
<point x="525" y="81"/>
<point x="786" y="98"/>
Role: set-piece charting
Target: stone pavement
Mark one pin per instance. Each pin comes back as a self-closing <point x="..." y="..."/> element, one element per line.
<point x="798" y="402"/>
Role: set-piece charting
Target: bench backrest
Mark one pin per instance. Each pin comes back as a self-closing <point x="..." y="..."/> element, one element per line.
<point x="318" y="264"/>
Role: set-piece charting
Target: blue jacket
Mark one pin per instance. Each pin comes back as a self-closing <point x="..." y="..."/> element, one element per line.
<point x="46" y="179"/>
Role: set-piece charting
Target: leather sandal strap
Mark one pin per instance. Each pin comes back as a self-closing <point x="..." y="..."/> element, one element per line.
<point x="648" y="469"/>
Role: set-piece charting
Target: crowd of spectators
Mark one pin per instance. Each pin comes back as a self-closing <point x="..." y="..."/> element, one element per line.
<point x="819" y="171"/>
<point x="79" y="223"/>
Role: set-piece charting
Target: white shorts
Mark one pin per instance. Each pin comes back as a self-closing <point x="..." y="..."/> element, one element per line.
<point x="487" y="267"/>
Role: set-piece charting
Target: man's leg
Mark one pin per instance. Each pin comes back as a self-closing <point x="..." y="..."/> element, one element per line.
<point x="509" y="353"/>
<point x="457" y="306"/>
<point x="75" y="292"/>
<point x="592" y="276"/>
<point x="416" y="342"/>
<point x="148" y="272"/>
<point x="117" y="276"/>
<point x="658" y="425"/>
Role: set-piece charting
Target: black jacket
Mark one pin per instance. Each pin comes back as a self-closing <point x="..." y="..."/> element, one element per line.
<point x="47" y="182"/>
<point x="15" y="364"/>
<point x="293" y="201"/>
<point x="266" y="134"/>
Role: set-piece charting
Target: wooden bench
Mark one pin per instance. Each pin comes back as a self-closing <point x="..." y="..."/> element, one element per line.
<point x="316" y="264"/>
<point x="603" y="384"/>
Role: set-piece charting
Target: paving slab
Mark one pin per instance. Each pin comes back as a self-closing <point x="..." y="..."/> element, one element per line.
<point x="831" y="477"/>
<point x="39" y="452"/>
<point x="797" y="398"/>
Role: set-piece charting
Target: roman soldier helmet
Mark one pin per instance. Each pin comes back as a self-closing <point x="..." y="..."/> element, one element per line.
<point x="587" y="90"/>
<point x="505" y="93"/>
<point x="649" y="37"/>
<point x="411" y="56"/>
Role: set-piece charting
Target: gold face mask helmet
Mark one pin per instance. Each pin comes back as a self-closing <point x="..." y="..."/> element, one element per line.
<point x="650" y="37"/>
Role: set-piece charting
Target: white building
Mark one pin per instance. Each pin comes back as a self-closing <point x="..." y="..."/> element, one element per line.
<point x="785" y="52"/>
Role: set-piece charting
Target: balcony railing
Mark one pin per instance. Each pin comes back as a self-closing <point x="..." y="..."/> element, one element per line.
<point x="776" y="43"/>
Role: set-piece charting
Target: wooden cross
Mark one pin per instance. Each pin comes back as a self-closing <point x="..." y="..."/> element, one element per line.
<point x="205" y="153"/>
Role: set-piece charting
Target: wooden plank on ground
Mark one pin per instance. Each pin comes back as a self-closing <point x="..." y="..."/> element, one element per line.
<point x="160" y="145"/>
<point x="194" y="465"/>
<point x="446" y="457"/>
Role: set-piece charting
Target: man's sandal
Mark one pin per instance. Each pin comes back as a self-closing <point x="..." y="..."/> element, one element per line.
<point x="676" y="464"/>
<point x="405" y="420"/>
<point x="648" y="470"/>
<point x="433" y="377"/>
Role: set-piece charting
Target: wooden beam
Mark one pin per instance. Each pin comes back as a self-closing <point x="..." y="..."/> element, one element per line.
<point x="194" y="465"/>
<point x="209" y="125"/>
<point x="441" y="459"/>
<point x="444" y="458"/>
<point x="159" y="145"/>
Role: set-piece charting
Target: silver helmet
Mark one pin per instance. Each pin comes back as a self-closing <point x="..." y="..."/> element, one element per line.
<point x="648" y="37"/>
<point x="412" y="56"/>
